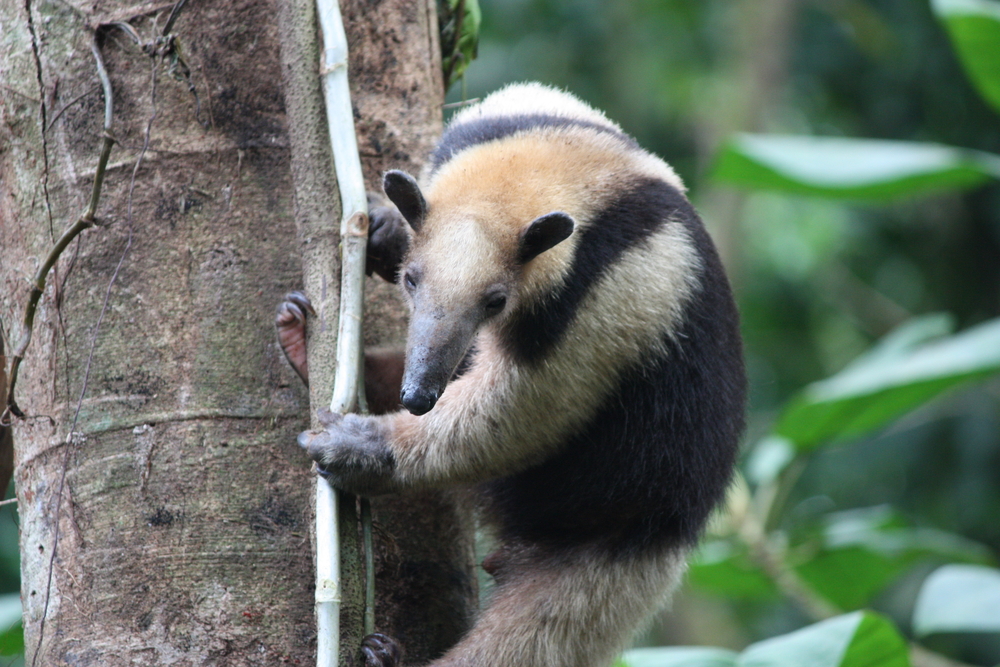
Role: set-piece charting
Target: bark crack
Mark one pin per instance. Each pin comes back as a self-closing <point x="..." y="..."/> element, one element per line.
<point x="43" y="112"/>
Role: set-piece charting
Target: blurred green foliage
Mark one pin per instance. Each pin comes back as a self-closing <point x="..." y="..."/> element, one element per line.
<point x="11" y="640"/>
<point x="851" y="168"/>
<point x="959" y="598"/>
<point x="459" y="22"/>
<point x="11" y="637"/>
<point x="860" y="639"/>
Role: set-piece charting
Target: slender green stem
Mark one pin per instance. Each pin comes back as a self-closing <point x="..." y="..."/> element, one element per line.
<point x="348" y="384"/>
<point x="755" y="531"/>
<point x="778" y="495"/>
<point x="174" y="13"/>
<point x="366" y="536"/>
<point x="367" y="540"/>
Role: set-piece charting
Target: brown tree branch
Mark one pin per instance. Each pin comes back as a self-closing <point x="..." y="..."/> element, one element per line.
<point x="85" y="221"/>
<point x="160" y="47"/>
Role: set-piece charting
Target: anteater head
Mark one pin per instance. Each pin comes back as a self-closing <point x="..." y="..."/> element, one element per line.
<point x="464" y="269"/>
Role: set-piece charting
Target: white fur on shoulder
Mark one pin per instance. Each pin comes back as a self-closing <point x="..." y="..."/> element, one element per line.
<point x="534" y="98"/>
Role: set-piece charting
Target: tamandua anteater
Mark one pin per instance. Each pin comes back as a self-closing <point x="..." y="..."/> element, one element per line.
<point x="573" y="358"/>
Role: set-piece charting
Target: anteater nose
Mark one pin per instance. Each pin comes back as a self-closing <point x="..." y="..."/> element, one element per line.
<point x="418" y="402"/>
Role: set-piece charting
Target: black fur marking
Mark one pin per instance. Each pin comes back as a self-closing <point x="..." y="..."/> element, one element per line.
<point x="471" y="133"/>
<point x="465" y="364"/>
<point x="650" y="465"/>
<point x="627" y="221"/>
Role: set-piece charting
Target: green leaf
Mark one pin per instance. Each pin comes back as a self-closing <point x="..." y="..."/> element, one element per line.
<point x="958" y="598"/>
<point x="860" y="639"/>
<point x="850" y="168"/>
<point x="11" y="633"/>
<point x="882" y="386"/>
<point x="724" y="569"/>
<point x="974" y="26"/>
<point x="880" y="530"/>
<point x="864" y="550"/>
<point x="678" y="656"/>
<point x="905" y="338"/>
<point x="850" y="577"/>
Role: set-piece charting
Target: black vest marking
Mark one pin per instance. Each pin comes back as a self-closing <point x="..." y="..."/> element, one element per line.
<point x="465" y="365"/>
<point x="627" y="221"/>
<point x="651" y="464"/>
<point x="464" y="135"/>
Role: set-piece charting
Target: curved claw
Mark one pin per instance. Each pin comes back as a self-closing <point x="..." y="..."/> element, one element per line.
<point x="379" y="650"/>
<point x="302" y="301"/>
<point x="316" y="439"/>
<point x="306" y="437"/>
<point x="290" y="322"/>
<point x="305" y="440"/>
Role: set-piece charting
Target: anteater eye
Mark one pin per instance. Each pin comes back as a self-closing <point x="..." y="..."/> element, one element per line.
<point x="495" y="303"/>
<point x="410" y="281"/>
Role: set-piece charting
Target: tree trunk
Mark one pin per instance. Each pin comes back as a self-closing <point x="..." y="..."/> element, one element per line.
<point x="181" y="504"/>
<point x="424" y="548"/>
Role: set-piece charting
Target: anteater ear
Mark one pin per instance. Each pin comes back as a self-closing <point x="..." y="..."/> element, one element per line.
<point x="543" y="233"/>
<point x="404" y="192"/>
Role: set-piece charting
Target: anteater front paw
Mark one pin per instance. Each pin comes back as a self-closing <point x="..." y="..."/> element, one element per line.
<point x="388" y="240"/>
<point x="351" y="453"/>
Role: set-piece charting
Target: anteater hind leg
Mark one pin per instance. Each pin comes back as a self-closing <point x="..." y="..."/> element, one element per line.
<point x="383" y="367"/>
<point x="573" y="609"/>
<point x="383" y="379"/>
<point x="290" y="323"/>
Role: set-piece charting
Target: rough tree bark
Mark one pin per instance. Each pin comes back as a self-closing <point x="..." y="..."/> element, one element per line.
<point x="184" y="517"/>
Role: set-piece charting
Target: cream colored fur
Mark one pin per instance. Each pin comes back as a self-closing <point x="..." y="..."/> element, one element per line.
<point x="575" y="611"/>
